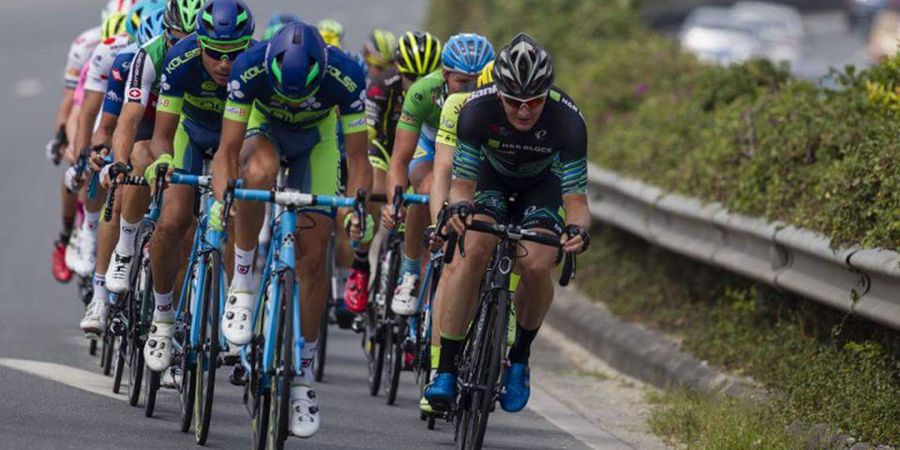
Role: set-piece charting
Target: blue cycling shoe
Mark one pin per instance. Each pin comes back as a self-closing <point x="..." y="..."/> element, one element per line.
<point x="516" y="380"/>
<point x="442" y="390"/>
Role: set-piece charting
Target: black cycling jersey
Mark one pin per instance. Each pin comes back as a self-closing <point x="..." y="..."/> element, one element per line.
<point x="557" y="143"/>
<point x="538" y="166"/>
<point x="384" y="103"/>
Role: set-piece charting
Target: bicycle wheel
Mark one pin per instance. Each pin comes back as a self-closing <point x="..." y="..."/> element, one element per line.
<point x="319" y="368"/>
<point x="108" y="347"/>
<point x="373" y="336"/>
<point x="151" y="387"/>
<point x="135" y="373"/>
<point x="121" y="357"/>
<point x="280" y="388"/>
<point x="394" y="333"/>
<point x="208" y="351"/>
<point x="138" y="306"/>
<point x="92" y="347"/>
<point x="258" y="395"/>
<point x="489" y="373"/>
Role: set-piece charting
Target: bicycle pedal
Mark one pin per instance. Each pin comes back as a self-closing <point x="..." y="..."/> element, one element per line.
<point x="358" y="325"/>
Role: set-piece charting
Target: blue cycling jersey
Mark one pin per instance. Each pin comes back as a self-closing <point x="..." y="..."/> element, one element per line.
<point x="118" y="75"/>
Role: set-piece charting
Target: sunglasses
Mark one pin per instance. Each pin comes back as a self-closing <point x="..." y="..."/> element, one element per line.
<point x="517" y="103"/>
<point x="223" y="54"/>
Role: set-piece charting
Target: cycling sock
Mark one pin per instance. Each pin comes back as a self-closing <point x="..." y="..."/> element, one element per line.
<point x="163" y="310"/>
<point x="91" y="220"/>
<point x="521" y="350"/>
<point x="100" y="292"/>
<point x="360" y="260"/>
<point x="435" y="356"/>
<point x="307" y="355"/>
<point x="127" y="234"/>
<point x="243" y="269"/>
<point x="409" y="265"/>
<point x="66" y="233"/>
<point x="449" y="348"/>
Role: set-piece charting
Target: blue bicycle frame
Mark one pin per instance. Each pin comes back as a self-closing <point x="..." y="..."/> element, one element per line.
<point x="280" y="262"/>
<point x="193" y="288"/>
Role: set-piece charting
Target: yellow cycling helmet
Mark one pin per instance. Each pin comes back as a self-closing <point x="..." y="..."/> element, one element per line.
<point x="113" y="25"/>
<point x="332" y="32"/>
<point x="487" y="75"/>
<point x="418" y="53"/>
<point x="378" y="50"/>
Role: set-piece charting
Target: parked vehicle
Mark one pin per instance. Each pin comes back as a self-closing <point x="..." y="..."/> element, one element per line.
<point x="716" y="36"/>
<point x="780" y="26"/>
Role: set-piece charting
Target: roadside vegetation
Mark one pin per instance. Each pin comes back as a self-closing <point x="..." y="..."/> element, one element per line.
<point x="763" y="144"/>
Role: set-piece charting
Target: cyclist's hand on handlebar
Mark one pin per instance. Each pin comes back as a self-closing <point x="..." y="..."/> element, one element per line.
<point x="96" y="158"/>
<point x="70" y="154"/>
<point x="387" y="216"/>
<point x="55" y="146"/>
<point x="116" y="170"/>
<point x="70" y="179"/>
<point x="433" y="240"/>
<point x="150" y="172"/>
<point x="354" y="230"/>
<point x="575" y="239"/>
<point x="460" y="217"/>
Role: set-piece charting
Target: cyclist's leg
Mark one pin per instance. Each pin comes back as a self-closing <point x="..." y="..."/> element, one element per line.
<point x="259" y="170"/>
<point x="417" y="219"/>
<point x="86" y="247"/>
<point x="166" y="257"/>
<point x="135" y="200"/>
<point x="540" y="209"/>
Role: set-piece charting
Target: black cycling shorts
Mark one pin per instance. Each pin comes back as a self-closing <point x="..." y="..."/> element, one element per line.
<point x="539" y="205"/>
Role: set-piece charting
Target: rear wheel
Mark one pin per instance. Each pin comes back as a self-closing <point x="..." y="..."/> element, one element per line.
<point x="208" y="350"/>
<point x="135" y="373"/>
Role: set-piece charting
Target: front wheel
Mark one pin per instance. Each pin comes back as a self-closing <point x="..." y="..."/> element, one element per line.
<point x="394" y="333"/>
<point x="208" y="350"/>
<point x="151" y="387"/>
<point x="280" y="388"/>
<point x="319" y="368"/>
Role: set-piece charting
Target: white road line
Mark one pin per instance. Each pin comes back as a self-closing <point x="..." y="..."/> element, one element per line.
<point x="67" y="375"/>
<point x="28" y="87"/>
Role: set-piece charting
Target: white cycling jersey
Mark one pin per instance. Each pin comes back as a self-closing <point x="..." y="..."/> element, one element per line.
<point x="102" y="61"/>
<point x="79" y="53"/>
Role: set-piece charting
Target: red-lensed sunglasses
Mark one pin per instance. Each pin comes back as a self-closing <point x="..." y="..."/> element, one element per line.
<point x="517" y="103"/>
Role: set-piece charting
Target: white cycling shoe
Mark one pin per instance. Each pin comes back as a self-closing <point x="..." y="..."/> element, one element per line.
<point x="304" y="411"/>
<point x="236" y="326"/>
<point x="404" y="301"/>
<point x="84" y="259"/>
<point x="158" y="348"/>
<point x="118" y="273"/>
<point x="94" y="321"/>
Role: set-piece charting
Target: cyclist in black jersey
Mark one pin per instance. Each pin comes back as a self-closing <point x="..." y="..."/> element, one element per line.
<point x="521" y="136"/>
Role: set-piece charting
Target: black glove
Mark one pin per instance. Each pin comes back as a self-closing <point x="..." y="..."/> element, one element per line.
<point x="575" y="230"/>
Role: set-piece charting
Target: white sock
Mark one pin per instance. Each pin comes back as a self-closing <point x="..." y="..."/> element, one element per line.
<point x="127" y="234"/>
<point x="91" y="221"/>
<point x="307" y="356"/>
<point x="243" y="270"/>
<point x="163" y="310"/>
<point x="100" y="292"/>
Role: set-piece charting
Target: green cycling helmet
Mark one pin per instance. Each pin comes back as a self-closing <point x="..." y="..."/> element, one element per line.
<point x="181" y="15"/>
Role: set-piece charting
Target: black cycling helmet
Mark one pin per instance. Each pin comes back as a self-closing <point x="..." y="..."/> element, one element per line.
<point x="523" y="68"/>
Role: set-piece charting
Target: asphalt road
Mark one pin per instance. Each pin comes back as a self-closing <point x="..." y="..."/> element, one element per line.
<point x="51" y="392"/>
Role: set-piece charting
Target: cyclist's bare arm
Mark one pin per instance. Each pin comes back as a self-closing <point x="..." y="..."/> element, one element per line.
<point x="440" y="184"/>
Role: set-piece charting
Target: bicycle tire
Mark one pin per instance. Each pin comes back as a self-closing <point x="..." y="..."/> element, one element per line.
<point x="471" y="374"/>
<point x="259" y="422"/>
<point x="387" y="323"/>
<point x="135" y="373"/>
<point x="394" y="358"/>
<point x="208" y="353"/>
<point x="92" y="347"/>
<point x="106" y="355"/>
<point x="138" y="305"/>
<point x="280" y="387"/>
<point x="493" y="360"/>
<point x="371" y="340"/>
<point x="186" y="366"/>
<point x="151" y="387"/>
<point x="319" y="367"/>
<point x="121" y="356"/>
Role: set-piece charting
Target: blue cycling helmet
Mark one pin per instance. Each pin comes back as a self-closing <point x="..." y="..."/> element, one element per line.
<point x="136" y="14"/>
<point x="151" y="26"/>
<point x="467" y="53"/>
<point x="277" y="22"/>
<point x="296" y="60"/>
<point x="225" y="21"/>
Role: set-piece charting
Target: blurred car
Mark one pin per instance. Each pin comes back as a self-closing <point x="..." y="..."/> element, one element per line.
<point x="884" y="39"/>
<point x="779" y="26"/>
<point x="861" y="13"/>
<point x="714" y="35"/>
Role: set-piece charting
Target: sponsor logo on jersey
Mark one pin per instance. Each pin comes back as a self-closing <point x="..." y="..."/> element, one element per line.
<point x="357" y="123"/>
<point x="540" y="134"/>
<point x="113" y="96"/>
<point x="253" y="72"/>
<point x="345" y="80"/>
<point x="109" y="40"/>
<point x="177" y="61"/>
<point x="137" y="69"/>
<point x="209" y="85"/>
<point x="134" y="94"/>
<point x="405" y="117"/>
<point x="116" y="74"/>
<point x="236" y="110"/>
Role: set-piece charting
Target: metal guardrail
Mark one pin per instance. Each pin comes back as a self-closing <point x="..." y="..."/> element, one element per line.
<point x="865" y="282"/>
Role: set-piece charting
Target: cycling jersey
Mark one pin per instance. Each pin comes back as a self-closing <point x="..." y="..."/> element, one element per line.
<point x="344" y="87"/>
<point x="143" y="77"/>
<point x="188" y="90"/>
<point x="303" y="132"/>
<point x="384" y="104"/>
<point x="504" y="160"/>
<point x="102" y="60"/>
<point x="422" y="113"/>
<point x="78" y="97"/>
<point x="118" y="74"/>
<point x="79" y="54"/>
